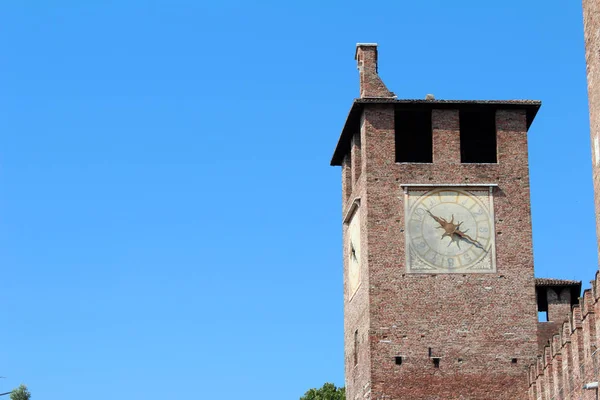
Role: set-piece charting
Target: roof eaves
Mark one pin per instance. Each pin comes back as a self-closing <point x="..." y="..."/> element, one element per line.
<point x="343" y="143"/>
<point x="556" y="282"/>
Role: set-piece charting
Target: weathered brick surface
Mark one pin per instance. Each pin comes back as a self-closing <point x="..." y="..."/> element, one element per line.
<point x="591" y="25"/>
<point x="570" y="357"/>
<point x="475" y="323"/>
<point x="371" y="84"/>
<point x="475" y="330"/>
<point x="545" y="331"/>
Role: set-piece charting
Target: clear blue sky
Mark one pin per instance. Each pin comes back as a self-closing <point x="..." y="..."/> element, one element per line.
<point x="170" y="227"/>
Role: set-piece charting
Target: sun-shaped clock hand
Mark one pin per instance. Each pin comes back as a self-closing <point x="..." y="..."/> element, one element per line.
<point x="449" y="227"/>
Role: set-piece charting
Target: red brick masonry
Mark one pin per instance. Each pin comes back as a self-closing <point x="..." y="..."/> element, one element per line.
<point x="569" y="360"/>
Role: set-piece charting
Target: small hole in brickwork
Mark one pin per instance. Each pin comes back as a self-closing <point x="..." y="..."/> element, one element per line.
<point x="436" y="362"/>
<point x="398" y="360"/>
<point x="499" y="233"/>
<point x="460" y="360"/>
<point x="514" y="361"/>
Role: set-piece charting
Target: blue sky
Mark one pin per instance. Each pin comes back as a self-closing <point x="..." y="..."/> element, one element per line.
<point x="169" y="223"/>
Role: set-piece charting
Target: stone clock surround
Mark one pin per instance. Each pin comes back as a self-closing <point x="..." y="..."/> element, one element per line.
<point x="478" y="251"/>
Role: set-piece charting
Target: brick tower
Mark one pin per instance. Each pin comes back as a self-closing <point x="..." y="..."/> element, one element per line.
<point x="591" y="29"/>
<point x="439" y="291"/>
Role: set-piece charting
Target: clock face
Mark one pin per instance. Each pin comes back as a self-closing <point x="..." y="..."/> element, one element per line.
<point x="353" y="253"/>
<point x="450" y="230"/>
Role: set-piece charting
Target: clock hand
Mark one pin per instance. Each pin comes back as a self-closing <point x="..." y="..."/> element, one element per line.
<point x="469" y="238"/>
<point x="451" y="228"/>
<point x="439" y="220"/>
<point x="353" y="253"/>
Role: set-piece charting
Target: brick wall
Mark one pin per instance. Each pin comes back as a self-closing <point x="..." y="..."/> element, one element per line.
<point x="591" y="24"/>
<point x="475" y="323"/>
<point x="481" y="327"/>
<point x="569" y="359"/>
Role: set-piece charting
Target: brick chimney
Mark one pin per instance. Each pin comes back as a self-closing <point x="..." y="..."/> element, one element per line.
<point x="370" y="83"/>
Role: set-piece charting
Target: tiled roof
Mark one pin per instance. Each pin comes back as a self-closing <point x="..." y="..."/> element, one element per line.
<point x="555" y="282"/>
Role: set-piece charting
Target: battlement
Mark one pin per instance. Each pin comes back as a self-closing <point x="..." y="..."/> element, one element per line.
<point x="569" y="358"/>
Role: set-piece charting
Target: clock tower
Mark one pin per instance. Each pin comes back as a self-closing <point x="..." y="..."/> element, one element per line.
<point x="439" y="291"/>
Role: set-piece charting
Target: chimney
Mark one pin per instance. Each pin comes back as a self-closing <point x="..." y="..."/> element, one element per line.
<point x="370" y="83"/>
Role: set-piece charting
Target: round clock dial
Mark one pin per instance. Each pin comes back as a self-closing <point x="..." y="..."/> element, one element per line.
<point x="450" y="229"/>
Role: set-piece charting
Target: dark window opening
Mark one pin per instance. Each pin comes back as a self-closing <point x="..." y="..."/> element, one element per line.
<point x="413" y="136"/>
<point x="478" y="136"/>
<point x="436" y="362"/>
<point x="514" y="361"/>
<point x="398" y="360"/>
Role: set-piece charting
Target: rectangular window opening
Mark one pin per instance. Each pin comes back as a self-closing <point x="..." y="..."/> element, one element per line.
<point x="413" y="136"/>
<point x="398" y="360"/>
<point x="436" y="362"/>
<point x="478" y="136"/>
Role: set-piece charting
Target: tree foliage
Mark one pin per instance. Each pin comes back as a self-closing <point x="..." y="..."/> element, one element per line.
<point x="20" y="393"/>
<point x="327" y="392"/>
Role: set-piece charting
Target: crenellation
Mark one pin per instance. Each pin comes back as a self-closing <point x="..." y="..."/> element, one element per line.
<point x="556" y="345"/>
<point x="571" y="356"/>
<point x="587" y="303"/>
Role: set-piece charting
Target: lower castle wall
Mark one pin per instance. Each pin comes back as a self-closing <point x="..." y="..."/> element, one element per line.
<point x="570" y="359"/>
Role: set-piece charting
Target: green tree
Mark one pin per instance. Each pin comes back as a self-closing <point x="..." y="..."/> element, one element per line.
<point x="20" y="393"/>
<point x="327" y="392"/>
